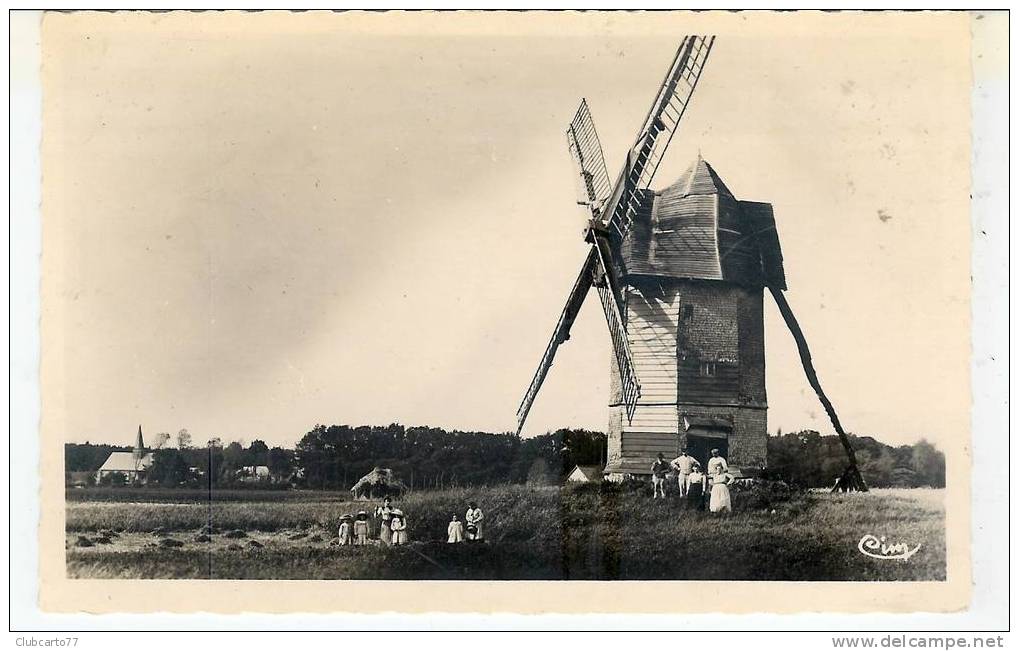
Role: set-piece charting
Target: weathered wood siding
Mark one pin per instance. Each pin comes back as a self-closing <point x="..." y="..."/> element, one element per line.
<point x="760" y="220"/>
<point x="696" y="229"/>
<point x="654" y="429"/>
<point x="684" y="239"/>
<point x="636" y="247"/>
<point x="737" y="246"/>
<point x="652" y="314"/>
<point x="632" y="448"/>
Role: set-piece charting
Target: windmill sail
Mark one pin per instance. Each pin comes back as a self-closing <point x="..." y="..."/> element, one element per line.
<point x="585" y="148"/>
<point x="560" y="334"/>
<point x="660" y="125"/>
<point x="612" y="304"/>
<point x="613" y="206"/>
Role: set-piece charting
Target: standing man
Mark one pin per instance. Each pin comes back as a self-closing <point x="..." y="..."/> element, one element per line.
<point x="683" y="464"/>
<point x="716" y="464"/>
<point x="658" y="470"/>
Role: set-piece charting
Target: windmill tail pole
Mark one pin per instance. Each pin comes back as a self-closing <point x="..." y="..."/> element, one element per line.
<point x="851" y="479"/>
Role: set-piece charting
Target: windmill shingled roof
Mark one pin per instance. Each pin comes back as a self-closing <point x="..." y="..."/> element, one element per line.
<point x="695" y="228"/>
<point x="699" y="178"/>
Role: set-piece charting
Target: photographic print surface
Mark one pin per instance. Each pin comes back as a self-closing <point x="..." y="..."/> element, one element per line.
<point x="596" y="299"/>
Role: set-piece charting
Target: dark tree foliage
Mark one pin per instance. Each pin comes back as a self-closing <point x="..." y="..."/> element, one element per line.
<point x="812" y="460"/>
<point x="169" y="468"/>
<point x="113" y="479"/>
<point x="80" y="457"/>
<point x="337" y="456"/>
<point x="256" y="454"/>
<point x="280" y="462"/>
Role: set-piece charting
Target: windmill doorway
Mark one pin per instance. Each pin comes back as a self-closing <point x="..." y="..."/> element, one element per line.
<point x="706" y="434"/>
<point x="700" y="446"/>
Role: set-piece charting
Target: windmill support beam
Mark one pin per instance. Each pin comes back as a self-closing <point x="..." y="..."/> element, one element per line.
<point x="851" y="479"/>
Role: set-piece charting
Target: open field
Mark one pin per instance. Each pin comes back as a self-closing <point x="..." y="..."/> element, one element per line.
<point x="532" y="533"/>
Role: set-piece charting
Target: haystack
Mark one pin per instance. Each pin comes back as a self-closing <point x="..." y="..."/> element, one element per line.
<point x="380" y="482"/>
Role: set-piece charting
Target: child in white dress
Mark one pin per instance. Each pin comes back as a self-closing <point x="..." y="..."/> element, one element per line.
<point x="398" y="523"/>
<point x="455" y="530"/>
<point x="346" y="535"/>
<point x="361" y="529"/>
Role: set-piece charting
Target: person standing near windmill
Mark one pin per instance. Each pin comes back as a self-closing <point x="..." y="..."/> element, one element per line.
<point x="717" y="463"/>
<point x="658" y="470"/>
<point x="683" y="465"/>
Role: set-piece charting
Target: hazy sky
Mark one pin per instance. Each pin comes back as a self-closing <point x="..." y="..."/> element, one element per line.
<point x="257" y="223"/>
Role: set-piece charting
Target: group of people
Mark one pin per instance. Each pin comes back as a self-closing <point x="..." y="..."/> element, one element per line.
<point x="392" y="526"/>
<point x="693" y="484"/>
<point x="356" y="530"/>
<point x="456" y="532"/>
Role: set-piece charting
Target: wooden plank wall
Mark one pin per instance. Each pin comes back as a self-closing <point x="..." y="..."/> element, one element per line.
<point x="737" y="245"/>
<point x="655" y="429"/>
<point x="652" y="320"/>
<point x="760" y="220"/>
<point x="652" y="314"/>
<point x="636" y="247"/>
<point x="684" y="243"/>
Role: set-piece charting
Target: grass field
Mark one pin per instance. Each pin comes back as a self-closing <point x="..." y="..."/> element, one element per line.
<point x="532" y="533"/>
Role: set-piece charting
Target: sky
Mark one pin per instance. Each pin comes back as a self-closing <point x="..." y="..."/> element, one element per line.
<point x="253" y="224"/>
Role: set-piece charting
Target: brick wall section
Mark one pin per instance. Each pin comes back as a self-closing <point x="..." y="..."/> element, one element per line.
<point x="712" y="331"/>
<point x="750" y="313"/>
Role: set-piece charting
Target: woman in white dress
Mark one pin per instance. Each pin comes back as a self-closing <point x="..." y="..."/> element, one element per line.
<point x="474" y="517"/>
<point x="455" y="530"/>
<point x="721" y="501"/>
<point x="383" y="514"/>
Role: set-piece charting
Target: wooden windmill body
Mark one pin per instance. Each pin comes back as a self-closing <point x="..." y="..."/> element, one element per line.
<point x="694" y="263"/>
<point x="680" y="275"/>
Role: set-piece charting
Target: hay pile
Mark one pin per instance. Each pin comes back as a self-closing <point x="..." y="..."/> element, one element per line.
<point x="380" y="482"/>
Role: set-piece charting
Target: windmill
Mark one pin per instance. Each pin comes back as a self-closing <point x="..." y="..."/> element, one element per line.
<point x="680" y="275"/>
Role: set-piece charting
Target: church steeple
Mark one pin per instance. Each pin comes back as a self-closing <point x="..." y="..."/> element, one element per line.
<point x="139" y="446"/>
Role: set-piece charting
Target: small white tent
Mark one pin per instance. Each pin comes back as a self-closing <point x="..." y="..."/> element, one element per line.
<point x="585" y="474"/>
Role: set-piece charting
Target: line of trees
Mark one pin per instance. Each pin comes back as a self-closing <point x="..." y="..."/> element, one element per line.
<point x="334" y="457"/>
<point x="424" y="457"/>
<point x="814" y="460"/>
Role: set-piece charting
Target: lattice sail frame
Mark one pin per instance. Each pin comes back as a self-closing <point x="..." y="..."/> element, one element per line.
<point x="658" y="129"/>
<point x="586" y="150"/>
<point x="614" y="210"/>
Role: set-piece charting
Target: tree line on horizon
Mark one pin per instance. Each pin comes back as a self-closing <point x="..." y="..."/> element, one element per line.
<point x="334" y="457"/>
